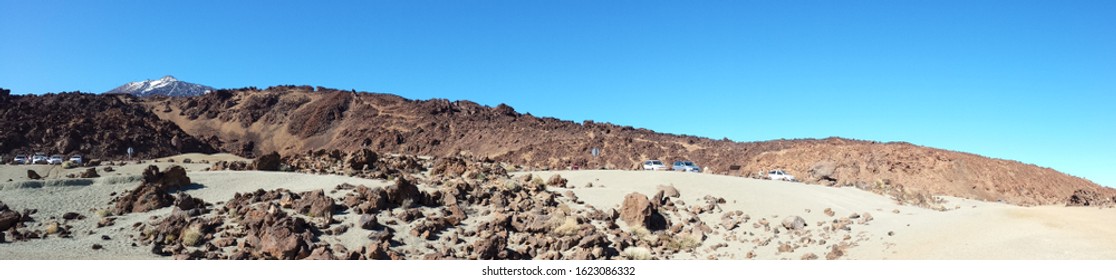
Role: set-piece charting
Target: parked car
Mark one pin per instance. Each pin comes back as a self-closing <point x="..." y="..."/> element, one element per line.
<point x="77" y="159"/>
<point x="779" y="175"/>
<point x="55" y="160"/>
<point x="685" y="165"/>
<point x="654" y="164"/>
<point x="39" y="158"/>
<point x="19" y="160"/>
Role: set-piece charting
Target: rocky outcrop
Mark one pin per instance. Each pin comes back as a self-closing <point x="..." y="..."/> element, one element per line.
<point x="153" y="192"/>
<point x="1087" y="197"/>
<point x="97" y="126"/>
<point x="268" y="162"/>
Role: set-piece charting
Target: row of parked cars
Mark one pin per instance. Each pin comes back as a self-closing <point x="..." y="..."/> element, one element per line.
<point x="41" y="158"/>
<point x="679" y="165"/>
<point x="689" y="166"/>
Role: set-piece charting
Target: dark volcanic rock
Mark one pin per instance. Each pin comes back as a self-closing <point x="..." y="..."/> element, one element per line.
<point x="72" y="216"/>
<point x="1086" y="197"/>
<point x="31" y="174"/>
<point x="97" y="126"/>
<point x="89" y="173"/>
<point x="268" y="162"/>
<point x="315" y="204"/>
<point x="153" y="193"/>
<point x="9" y="219"/>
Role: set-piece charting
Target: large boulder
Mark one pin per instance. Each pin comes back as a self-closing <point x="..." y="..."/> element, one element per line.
<point x="268" y="162"/>
<point x="361" y="159"/>
<point x="171" y="179"/>
<point x="491" y="246"/>
<point x="285" y="242"/>
<point x="315" y="204"/>
<point x="637" y="211"/>
<point x="403" y="192"/>
<point x="153" y="193"/>
<point x="144" y="198"/>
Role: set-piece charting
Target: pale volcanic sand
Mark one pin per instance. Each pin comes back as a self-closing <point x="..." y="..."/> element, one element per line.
<point x="986" y="231"/>
<point x="971" y="230"/>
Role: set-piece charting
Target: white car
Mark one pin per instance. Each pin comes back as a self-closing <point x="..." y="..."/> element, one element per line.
<point x="779" y="175"/>
<point x="19" y="160"/>
<point x="77" y="159"/>
<point x="39" y="158"/>
<point x="654" y="165"/>
<point x="685" y="165"/>
<point x="55" y="160"/>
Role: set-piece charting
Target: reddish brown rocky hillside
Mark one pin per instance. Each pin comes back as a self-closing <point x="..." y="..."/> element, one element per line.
<point x="98" y="126"/>
<point x="293" y="120"/>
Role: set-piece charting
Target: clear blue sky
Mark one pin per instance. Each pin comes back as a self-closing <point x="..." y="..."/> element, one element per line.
<point x="1033" y="81"/>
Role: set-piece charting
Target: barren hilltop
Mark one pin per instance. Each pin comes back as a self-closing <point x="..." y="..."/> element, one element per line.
<point x="293" y="120"/>
<point x="296" y="120"/>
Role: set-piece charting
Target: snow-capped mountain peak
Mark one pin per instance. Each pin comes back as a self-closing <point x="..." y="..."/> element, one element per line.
<point x="166" y="86"/>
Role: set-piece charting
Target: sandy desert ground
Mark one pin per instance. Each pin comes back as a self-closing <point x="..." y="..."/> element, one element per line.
<point x="969" y="230"/>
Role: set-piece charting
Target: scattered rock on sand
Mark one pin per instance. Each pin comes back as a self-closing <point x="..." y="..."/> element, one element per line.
<point x="72" y="216"/>
<point x="31" y="174"/>
<point x="8" y="218"/>
<point x="835" y="252"/>
<point x="369" y="222"/>
<point x="491" y="246"/>
<point x="89" y="173"/>
<point x="448" y="167"/>
<point x="315" y="204"/>
<point x="557" y="181"/>
<point x="794" y="223"/>
<point x="669" y="191"/>
<point x="785" y="248"/>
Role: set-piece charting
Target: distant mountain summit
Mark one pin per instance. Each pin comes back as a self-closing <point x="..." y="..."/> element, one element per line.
<point x="167" y="86"/>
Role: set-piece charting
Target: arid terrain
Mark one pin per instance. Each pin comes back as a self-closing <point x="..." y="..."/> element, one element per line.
<point x="472" y="210"/>
<point x="313" y="173"/>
